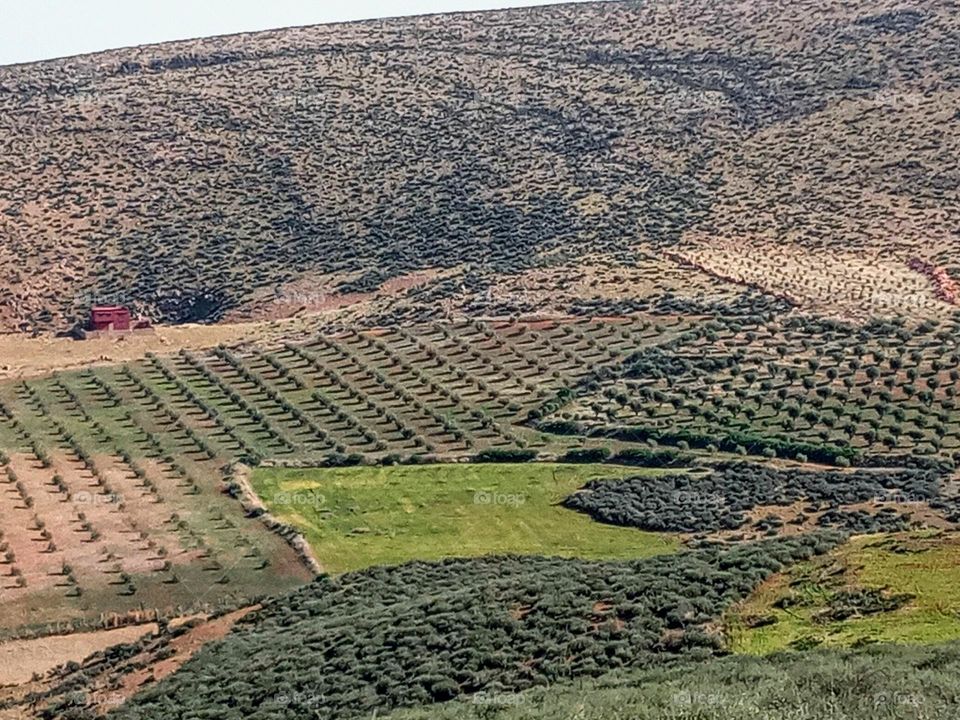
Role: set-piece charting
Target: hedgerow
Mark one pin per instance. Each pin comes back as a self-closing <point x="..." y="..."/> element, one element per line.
<point x="733" y="441"/>
<point x="504" y="455"/>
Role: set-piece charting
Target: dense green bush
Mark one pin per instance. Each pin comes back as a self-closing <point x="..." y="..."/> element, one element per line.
<point x="505" y="455"/>
<point x="861" y="522"/>
<point x="342" y="460"/>
<point x="647" y="457"/>
<point x="731" y="441"/>
<point x="426" y="632"/>
<point x="885" y="682"/>
<point x="585" y="455"/>
<point x="720" y="500"/>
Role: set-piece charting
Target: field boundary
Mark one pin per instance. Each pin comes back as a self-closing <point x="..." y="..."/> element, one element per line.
<point x="253" y="506"/>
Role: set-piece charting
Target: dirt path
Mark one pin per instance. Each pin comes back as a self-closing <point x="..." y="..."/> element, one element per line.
<point x="178" y="652"/>
<point x="22" y="356"/>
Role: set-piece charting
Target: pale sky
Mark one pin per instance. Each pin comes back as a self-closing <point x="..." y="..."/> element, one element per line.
<point x="41" y="29"/>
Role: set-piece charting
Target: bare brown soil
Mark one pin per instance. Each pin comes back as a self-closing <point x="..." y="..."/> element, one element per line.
<point x="22" y="356"/>
<point x="20" y="660"/>
<point x="36" y="666"/>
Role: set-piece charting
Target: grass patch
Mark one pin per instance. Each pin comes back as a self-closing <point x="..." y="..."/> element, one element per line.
<point x="925" y="566"/>
<point x="364" y="516"/>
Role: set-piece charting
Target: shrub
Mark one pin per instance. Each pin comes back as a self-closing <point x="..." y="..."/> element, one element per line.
<point x="648" y="457"/>
<point x="585" y="455"/>
<point x="505" y="455"/>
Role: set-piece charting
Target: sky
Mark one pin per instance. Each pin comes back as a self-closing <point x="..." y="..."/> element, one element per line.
<point x="41" y="29"/>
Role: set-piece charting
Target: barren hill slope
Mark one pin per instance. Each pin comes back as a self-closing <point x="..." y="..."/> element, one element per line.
<point x="490" y="162"/>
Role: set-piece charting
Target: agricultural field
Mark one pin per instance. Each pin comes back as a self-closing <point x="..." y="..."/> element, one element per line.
<point x="871" y="590"/>
<point x="207" y="481"/>
<point x="358" y="517"/>
<point x="117" y="477"/>
<point x="506" y="365"/>
<point x="107" y="518"/>
<point x="835" y="390"/>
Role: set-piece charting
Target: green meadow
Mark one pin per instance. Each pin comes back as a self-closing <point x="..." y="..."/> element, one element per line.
<point x="924" y="566"/>
<point x="364" y="516"/>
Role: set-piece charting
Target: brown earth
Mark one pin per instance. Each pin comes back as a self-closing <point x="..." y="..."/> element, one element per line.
<point x="20" y="660"/>
<point x="22" y="356"/>
<point x="105" y="685"/>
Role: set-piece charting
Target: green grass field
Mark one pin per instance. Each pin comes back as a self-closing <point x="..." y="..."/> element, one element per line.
<point x="360" y="517"/>
<point x="925" y="565"/>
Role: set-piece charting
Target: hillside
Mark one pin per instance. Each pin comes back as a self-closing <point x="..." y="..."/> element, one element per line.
<point x="422" y="632"/>
<point x="575" y="158"/>
<point x="511" y="364"/>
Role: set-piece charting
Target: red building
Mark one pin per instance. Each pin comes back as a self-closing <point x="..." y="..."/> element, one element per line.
<point x="109" y="317"/>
